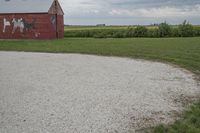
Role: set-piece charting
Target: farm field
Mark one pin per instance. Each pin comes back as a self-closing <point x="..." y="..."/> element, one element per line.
<point x="87" y="28"/>
<point x="74" y="28"/>
<point x="130" y="31"/>
<point x="184" y="52"/>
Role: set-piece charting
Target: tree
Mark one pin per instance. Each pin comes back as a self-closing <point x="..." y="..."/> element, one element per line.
<point x="186" y="29"/>
<point x="164" y="30"/>
<point x="140" y="31"/>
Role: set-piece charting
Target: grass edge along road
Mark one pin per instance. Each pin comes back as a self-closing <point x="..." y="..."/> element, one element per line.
<point x="184" y="52"/>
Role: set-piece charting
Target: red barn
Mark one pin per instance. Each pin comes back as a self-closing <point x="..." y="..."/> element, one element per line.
<point x="31" y="19"/>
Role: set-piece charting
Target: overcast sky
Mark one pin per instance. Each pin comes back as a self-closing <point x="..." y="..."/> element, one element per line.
<point x="127" y="12"/>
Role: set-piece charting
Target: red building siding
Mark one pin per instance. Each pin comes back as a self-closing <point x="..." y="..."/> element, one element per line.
<point x="60" y="26"/>
<point x="31" y="26"/>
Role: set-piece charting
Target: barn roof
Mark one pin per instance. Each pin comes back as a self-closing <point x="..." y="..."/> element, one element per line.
<point x="25" y="6"/>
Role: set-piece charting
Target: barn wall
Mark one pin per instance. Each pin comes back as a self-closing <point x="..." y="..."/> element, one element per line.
<point x="60" y="26"/>
<point x="30" y="26"/>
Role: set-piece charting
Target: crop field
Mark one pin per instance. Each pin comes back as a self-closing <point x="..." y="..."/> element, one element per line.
<point x="131" y="31"/>
<point x="184" y="52"/>
<point x="72" y="28"/>
<point x="78" y="28"/>
<point x="75" y="28"/>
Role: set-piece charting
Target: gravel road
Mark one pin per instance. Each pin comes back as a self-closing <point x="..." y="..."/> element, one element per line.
<point x="73" y="93"/>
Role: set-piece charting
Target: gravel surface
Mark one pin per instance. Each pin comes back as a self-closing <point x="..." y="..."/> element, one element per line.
<point x="73" y="93"/>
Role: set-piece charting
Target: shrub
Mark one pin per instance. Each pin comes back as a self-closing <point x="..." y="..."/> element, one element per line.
<point x="81" y="33"/>
<point x="100" y="35"/>
<point x="197" y="32"/>
<point x="119" y="34"/>
<point x="186" y="29"/>
<point x="175" y="32"/>
<point x="140" y="31"/>
<point x="164" y="30"/>
<point x="153" y="33"/>
<point x="130" y="32"/>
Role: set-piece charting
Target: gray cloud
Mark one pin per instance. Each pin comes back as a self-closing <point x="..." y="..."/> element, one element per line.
<point x="154" y="3"/>
<point x="130" y="11"/>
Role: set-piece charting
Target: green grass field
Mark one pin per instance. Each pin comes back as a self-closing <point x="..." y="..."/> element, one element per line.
<point x="184" y="52"/>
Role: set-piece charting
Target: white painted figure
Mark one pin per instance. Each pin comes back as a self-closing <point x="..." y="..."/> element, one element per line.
<point x="19" y="23"/>
<point x="5" y="24"/>
<point x="37" y="35"/>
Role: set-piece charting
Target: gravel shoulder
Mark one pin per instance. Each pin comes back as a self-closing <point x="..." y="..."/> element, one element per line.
<point x="48" y="93"/>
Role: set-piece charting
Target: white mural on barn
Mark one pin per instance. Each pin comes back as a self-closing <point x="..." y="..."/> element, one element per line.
<point x="5" y="24"/>
<point x="19" y="23"/>
<point x="22" y="24"/>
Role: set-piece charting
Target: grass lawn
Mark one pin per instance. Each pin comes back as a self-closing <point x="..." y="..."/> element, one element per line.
<point x="184" y="52"/>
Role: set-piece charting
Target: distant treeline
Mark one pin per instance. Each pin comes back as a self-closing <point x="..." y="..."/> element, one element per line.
<point x="162" y="30"/>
